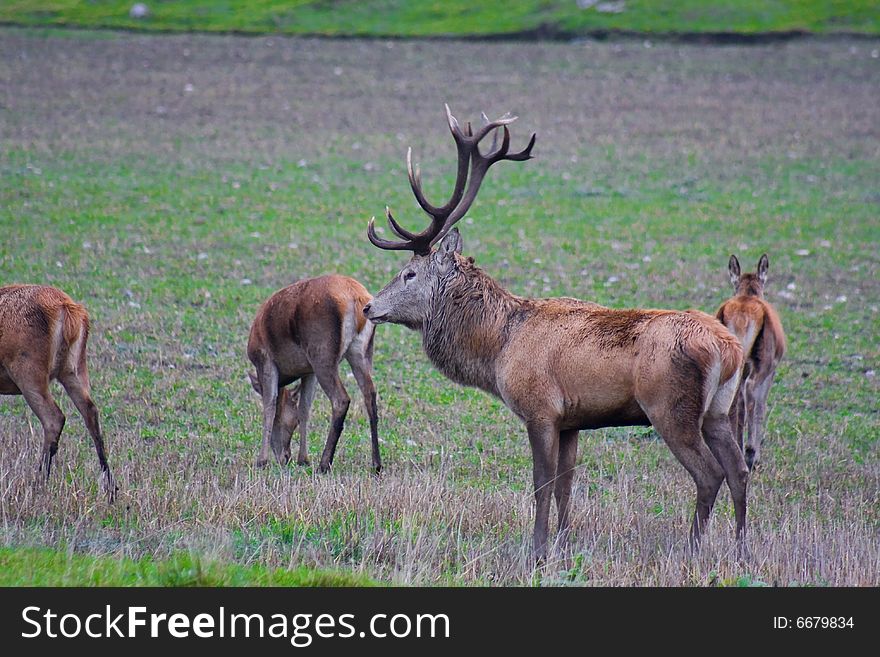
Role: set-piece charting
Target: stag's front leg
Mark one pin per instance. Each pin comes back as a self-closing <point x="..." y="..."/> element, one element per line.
<point x="544" y="439"/>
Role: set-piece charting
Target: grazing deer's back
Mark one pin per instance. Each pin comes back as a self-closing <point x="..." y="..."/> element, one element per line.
<point x="315" y="310"/>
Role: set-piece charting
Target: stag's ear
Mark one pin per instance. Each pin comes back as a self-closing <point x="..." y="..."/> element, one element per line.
<point x="763" y="265"/>
<point x="255" y="382"/>
<point x="734" y="270"/>
<point x="449" y="246"/>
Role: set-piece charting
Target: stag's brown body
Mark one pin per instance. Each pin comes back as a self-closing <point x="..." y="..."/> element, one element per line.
<point x="562" y="365"/>
<point x="303" y="332"/>
<point x="43" y="337"/>
<point x="757" y="326"/>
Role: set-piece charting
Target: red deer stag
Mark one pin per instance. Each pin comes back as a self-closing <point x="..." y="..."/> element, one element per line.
<point x="755" y="323"/>
<point x="562" y="365"/>
<point x="303" y="332"/>
<point x="43" y="337"/>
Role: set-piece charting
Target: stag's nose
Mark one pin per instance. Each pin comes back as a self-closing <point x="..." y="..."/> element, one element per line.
<point x="367" y="310"/>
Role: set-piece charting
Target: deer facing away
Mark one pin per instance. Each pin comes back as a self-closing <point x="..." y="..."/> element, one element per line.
<point x="563" y="365"/>
<point x="757" y="326"/>
<point x="302" y="332"/>
<point x="43" y="337"/>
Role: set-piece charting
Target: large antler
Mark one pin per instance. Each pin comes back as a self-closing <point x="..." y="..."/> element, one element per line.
<point x="443" y="218"/>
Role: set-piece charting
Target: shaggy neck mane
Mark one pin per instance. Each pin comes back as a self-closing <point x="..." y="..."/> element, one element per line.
<point x="469" y="325"/>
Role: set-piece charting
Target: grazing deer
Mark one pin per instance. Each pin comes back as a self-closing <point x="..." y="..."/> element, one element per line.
<point x="562" y="365"/>
<point x="303" y="332"/>
<point x="43" y="337"/>
<point x="757" y="326"/>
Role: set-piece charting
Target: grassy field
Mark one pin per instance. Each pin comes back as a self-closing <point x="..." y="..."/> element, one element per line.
<point x="459" y="17"/>
<point x="171" y="183"/>
<point x="44" y="567"/>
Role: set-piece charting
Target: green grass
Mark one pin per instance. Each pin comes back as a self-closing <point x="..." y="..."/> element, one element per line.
<point x="171" y="183"/>
<point x="456" y="17"/>
<point x="42" y="567"/>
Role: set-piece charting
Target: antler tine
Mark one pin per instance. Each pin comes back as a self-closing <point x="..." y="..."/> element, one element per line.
<point x="398" y="230"/>
<point x="494" y="134"/>
<point x="415" y="182"/>
<point x="383" y="243"/>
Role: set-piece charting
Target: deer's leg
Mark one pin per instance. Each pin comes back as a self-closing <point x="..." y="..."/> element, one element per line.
<point x="307" y="390"/>
<point x="268" y="375"/>
<point x="331" y="384"/>
<point x="51" y="418"/>
<point x="678" y="423"/>
<point x="568" y="444"/>
<point x="758" y="388"/>
<point x="719" y="438"/>
<point x="361" y="366"/>
<point x="544" y="439"/>
<point x="77" y="387"/>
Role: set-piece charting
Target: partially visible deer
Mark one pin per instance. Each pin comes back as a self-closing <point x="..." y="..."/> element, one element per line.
<point x="43" y="337"/>
<point x="562" y="365"/>
<point x="302" y="332"/>
<point x="757" y="326"/>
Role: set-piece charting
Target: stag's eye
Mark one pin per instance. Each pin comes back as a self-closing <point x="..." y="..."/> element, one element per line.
<point x="408" y="276"/>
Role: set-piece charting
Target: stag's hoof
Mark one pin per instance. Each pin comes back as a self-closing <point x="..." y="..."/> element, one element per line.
<point x="303" y="460"/>
<point x="262" y="463"/>
<point x="376" y="469"/>
<point x="324" y="468"/>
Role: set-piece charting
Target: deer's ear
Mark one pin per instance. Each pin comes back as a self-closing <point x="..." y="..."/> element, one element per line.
<point x="734" y="270"/>
<point x="255" y="383"/>
<point x="763" y="265"/>
<point x="449" y="246"/>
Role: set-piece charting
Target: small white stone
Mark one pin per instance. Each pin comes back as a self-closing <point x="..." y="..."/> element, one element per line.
<point x="139" y="10"/>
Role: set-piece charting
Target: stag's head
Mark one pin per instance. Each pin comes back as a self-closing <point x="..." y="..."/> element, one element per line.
<point x="749" y="284"/>
<point x="410" y="295"/>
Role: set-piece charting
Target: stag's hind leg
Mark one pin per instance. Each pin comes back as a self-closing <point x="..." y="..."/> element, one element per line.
<point x="676" y="417"/>
<point x="719" y="438"/>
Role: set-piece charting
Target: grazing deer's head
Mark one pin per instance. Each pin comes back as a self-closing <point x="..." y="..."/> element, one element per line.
<point x="409" y="297"/>
<point x="749" y="284"/>
<point x="289" y="406"/>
